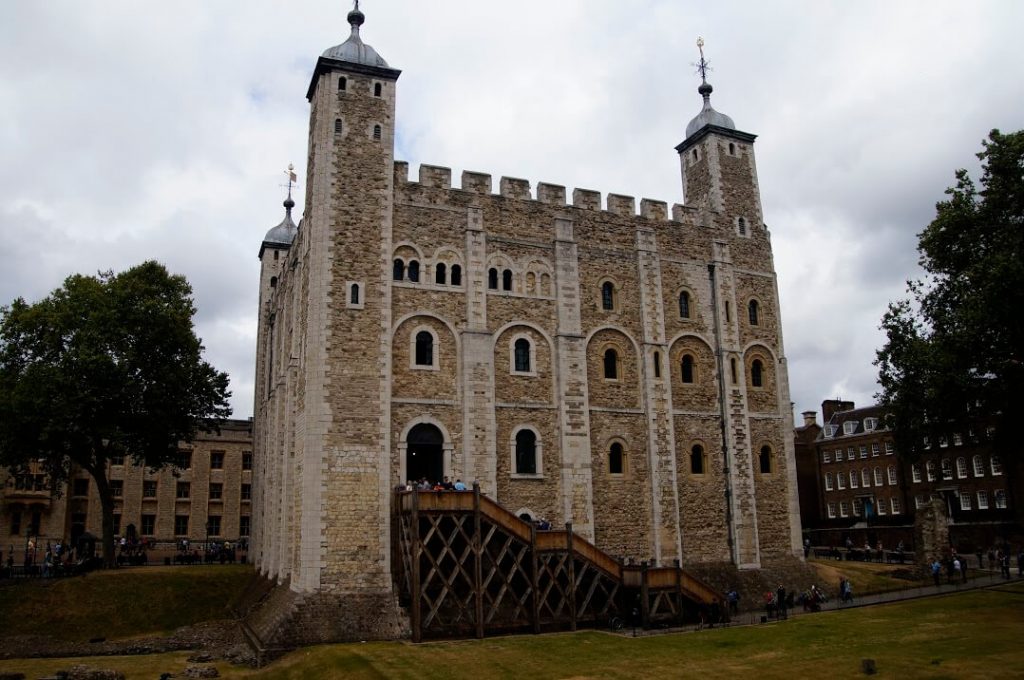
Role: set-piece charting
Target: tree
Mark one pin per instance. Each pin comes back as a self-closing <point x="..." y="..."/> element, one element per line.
<point x="105" y="366"/>
<point x="953" y="352"/>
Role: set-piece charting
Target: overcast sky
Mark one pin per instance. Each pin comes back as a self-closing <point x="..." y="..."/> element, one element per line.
<point x="132" y="130"/>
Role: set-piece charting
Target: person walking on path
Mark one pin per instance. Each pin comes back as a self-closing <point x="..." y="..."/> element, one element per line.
<point x="1006" y="564"/>
<point x="936" y="571"/>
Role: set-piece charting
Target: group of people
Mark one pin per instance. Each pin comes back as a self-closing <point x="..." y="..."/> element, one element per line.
<point x="424" y="484"/>
<point x="777" y="603"/>
<point x="215" y="552"/>
<point x="58" y="559"/>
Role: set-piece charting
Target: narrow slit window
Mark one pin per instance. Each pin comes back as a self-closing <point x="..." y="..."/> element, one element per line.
<point x="615" y="459"/>
<point x="424" y="349"/>
<point x="354" y="294"/>
<point x="611" y="364"/>
<point x="757" y="373"/>
<point x="376" y="132"/>
<point x="697" y="466"/>
<point x="377" y="89"/>
<point x="337" y="126"/>
<point x="342" y="84"/>
<point x="742" y="226"/>
<point x="657" y="365"/>
<point x="607" y="295"/>
<point x="684" y="305"/>
<point x="765" y="460"/>
<point x="687" y="369"/>
<point x="522" y="355"/>
<point x="732" y="367"/>
<point x="492" y="278"/>
<point x="753" y="312"/>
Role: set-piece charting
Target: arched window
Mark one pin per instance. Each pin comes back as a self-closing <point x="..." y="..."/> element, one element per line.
<point x="684" y="305"/>
<point x="961" y="468"/>
<point x="492" y="278"/>
<point x="414" y="271"/>
<point x="657" y="364"/>
<point x="697" y="462"/>
<point x="376" y="132"/>
<point x="878" y="476"/>
<point x="424" y="349"/>
<point x="398" y="272"/>
<point x="337" y="126"/>
<point x="742" y="226"/>
<point x="522" y="355"/>
<point x="506" y="280"/>
<point x="456" y="275"/>
<point x="611" y="364"/>
<point x="342" y="84"/>
<point x="616" y="459"/>
<point x="979" y="466"/>
<point x="756" y="373"/>
<point x="377" y="89"/>
<point x="687" y="367"/>
<point x="440" y="274"/>
<point x="752" y="312"/>
<point x="353" y="296"/>
<point x="764" y="459"/>
<point x="526" y="452"/>
<point x="607" y="295"/>
<point x="865" y="477"/>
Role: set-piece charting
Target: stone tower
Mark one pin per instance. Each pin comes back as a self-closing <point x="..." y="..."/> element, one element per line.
<point x="330" y="508"/>
<point x="720" y="181"/>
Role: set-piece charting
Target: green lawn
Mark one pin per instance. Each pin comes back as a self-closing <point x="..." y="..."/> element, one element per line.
<point x="120" y="603"/>
<point x="965" y="635"/>
<point x="868" y="577"/>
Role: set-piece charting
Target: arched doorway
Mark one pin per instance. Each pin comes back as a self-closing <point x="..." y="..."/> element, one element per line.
<point x="424" y="454"/>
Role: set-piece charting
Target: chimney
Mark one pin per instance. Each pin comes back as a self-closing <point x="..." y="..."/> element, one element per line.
<point x="830" y="407"/>
<point x="810" y="418"/>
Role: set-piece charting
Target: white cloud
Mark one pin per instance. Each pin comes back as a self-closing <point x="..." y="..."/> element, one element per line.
<point x="144" y="130"/>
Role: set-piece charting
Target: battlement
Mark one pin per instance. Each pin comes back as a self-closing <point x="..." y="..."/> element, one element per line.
<point x="438" y="177"/>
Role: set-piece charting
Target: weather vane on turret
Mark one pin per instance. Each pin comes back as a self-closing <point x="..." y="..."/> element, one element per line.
<point x="293" y="179"/>
<point x="702" y="66"/>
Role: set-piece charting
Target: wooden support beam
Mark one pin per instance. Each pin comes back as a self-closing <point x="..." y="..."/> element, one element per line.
<point x="534" y="587"/>
<point x="417" y="548"/>
<point x="478" y="588"/>
<point x="572" y="576"/>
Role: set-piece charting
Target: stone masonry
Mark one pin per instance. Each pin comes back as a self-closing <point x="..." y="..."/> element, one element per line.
<point x="583" y="323"/>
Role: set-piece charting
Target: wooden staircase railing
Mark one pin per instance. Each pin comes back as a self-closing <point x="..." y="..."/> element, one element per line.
<point x="465" y="564"/>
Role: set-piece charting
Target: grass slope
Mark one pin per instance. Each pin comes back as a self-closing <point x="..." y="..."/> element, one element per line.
<point x="965" y="635"/>
<point x="121" y="603"/>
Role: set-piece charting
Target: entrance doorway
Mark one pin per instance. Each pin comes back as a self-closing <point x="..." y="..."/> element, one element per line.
<point x="424" y="454"/>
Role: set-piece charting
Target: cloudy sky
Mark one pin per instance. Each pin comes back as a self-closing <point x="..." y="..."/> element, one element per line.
<point x="134" y="129"/>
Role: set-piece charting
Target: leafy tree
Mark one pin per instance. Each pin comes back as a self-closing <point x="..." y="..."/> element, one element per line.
<point x="954" y="349"/>
<point x="105" y="366"/>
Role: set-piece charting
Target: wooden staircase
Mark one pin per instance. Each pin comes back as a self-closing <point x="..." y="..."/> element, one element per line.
<point x="465" y="566"/>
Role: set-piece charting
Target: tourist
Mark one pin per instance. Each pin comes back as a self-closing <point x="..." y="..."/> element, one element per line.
<point x="734" y="601"/>
<point x="936" y="570"/>
<point x="1006" y="564"/>
<point x="954" y="573"/>
<point x="807" y="548"/>
<point x="459" y="485"/>
<point x="780" y="602"/>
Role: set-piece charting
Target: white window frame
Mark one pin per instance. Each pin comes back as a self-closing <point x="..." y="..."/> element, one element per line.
<point x="839" y="455"/>
<point x="826" y="457"/>
<point x="965" y="500"/>
<point x="926" y="442"/>
<point x="844" y="509"/>
<point x="875" y="450"/>
<point x="840" y="481"/>
<point x="999" y="496"/>
<point x="870" y="424"/>
<point x="828" y="431"/>
<point x="831" y="510"/>
<point x="979" y="465"/>
<point x="878" y="476"/>
<point x="889" y="448"/>
<point x="435" y="356"/>
<point x="857" y="507"/>
<point x="918" y="502"/>
<point x="865" y="478"/>
<point x="851" y="453"/>
<point x="881" y="507"/>
<point x="828" y="481"/>
<point x="850" y="426"/>
<point x="983" y="500"/>
<point x="532" y="373"/>
<point x="915" y="473"/>
<point x="943" y="441"/>
<point x="854" y="479"/>
<point x="929" y="468"/>
<point x="957" y="439"/>
<point x="996" y="466"/>
<point x="538" y="453"/>
<point x="891" y="474"/>
<point x="961" y="467"/>
<point x="895" y="507"/>
<point x="946" y="466"/>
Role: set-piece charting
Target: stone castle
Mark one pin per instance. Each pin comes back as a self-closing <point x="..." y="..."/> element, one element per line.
<point x="581" y="361"/>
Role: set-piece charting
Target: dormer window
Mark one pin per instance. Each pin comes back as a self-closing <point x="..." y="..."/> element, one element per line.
<point x="849" y="427"/>
<point x="870" y="424"/>
<point x="829" y="431"/>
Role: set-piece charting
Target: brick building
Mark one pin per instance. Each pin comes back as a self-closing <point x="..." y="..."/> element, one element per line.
<point x="584" y="363"/>
<point x="208" y="496"/>
<point x="862" y="489"/>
